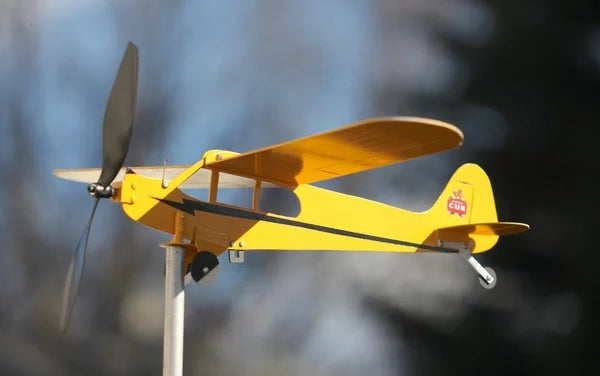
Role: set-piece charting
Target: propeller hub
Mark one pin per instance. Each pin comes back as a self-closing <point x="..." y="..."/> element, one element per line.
<point x="98" y="191"/>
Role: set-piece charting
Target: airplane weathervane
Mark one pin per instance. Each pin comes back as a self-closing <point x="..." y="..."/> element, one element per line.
<point x="463" y="220"/>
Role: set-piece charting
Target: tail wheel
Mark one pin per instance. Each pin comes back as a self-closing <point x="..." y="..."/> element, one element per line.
<point x="489" y="286"/>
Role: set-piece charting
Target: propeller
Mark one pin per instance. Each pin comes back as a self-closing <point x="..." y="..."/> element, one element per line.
<point x="116" y="135"/>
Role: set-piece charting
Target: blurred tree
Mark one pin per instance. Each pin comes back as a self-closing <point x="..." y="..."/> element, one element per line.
<point x="538" y="77"/>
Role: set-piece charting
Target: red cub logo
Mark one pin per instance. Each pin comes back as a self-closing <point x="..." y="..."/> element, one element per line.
<point x="456" y="205"/>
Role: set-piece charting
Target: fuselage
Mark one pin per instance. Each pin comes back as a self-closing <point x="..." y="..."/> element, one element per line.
<point x="327" y="220"/>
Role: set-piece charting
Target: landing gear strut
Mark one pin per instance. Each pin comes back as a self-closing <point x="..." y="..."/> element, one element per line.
<point x="487" y="276"/>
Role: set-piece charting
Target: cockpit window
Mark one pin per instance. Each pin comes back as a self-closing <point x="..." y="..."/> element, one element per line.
<point x="239" y="192"/>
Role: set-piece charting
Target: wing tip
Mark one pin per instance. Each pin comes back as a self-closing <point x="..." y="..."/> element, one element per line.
<point x="417" y="120"/>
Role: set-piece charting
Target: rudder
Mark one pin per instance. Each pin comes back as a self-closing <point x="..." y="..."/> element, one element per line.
<point x="467" y="198"/>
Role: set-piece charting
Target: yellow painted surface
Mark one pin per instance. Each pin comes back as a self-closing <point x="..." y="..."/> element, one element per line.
<point x="327" y="220"/>
<point x="498" y="228"/>
<point x="358" y="147"/>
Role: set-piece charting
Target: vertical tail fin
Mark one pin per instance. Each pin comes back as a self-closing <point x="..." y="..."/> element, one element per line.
<point x="467" y="198"/>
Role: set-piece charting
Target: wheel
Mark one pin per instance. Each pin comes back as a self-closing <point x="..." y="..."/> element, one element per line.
<point x="204" y="268"/>
<point x="489" y="286"/>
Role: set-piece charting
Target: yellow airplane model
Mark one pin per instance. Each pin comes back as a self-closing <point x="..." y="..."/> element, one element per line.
<point x="463" y="220"/>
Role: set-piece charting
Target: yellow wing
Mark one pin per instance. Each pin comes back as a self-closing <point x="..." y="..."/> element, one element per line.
<point x="358" y="147"/>
<point x="199" y="180"/>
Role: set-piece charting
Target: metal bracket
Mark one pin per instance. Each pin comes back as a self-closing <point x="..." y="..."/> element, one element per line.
<point x="236" y="257"/>
<point x="487" y="275"/>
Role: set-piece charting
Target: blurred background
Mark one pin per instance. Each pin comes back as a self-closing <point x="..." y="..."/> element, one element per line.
<point x="521" y="79"/>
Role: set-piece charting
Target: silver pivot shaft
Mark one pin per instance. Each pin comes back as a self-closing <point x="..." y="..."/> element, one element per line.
<point x="487" y="276"/>
<point x="174" y="311"/>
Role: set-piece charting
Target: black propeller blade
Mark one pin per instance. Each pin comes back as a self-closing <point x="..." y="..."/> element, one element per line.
<point x="116" y="135"/>
<point x="74" y="273"/>
<point x="118" y="117"/>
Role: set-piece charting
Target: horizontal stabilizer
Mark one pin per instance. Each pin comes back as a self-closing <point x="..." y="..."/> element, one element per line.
<point x="496" y="228"/>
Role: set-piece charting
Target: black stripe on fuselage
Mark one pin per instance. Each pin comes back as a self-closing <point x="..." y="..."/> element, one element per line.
<point x="190" y="206"/>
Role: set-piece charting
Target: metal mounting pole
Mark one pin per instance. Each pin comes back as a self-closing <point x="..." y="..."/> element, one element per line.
<point x="174" y="311"/>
